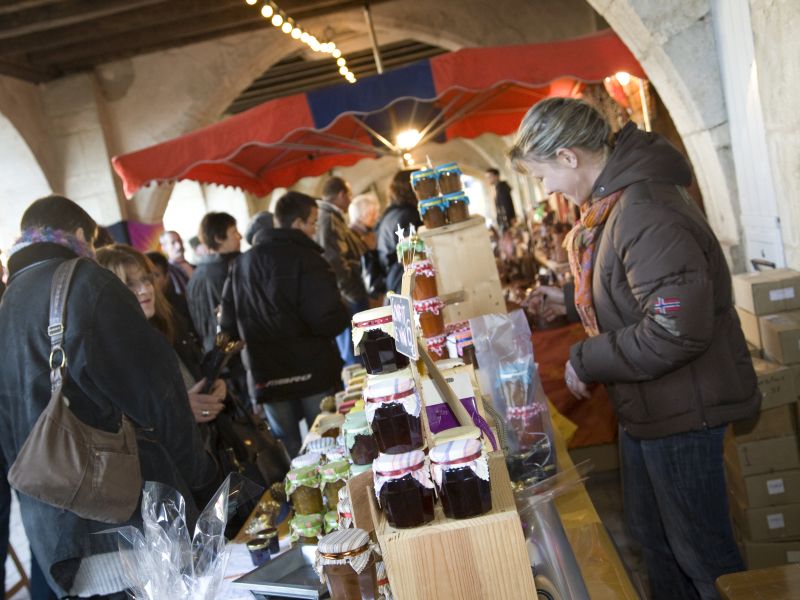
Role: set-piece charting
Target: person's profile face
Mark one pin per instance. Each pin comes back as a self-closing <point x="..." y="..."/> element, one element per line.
<point x="172" y="246"/>
<point x="309" y="226"/>
<point x="232" y="241"/>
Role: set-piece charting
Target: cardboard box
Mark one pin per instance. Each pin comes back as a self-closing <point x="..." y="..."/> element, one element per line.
<point x="750" y="327"/>
<point x="780" y="337"/>
<point x="760" y="555"/>
<point x="770" y="423"/>
<point x="767" y="523"/>
<point x="763" y="456"/>
<point x="768" y="291"/>
<point x="769" y="489"/>
<point x="776" y="383"/>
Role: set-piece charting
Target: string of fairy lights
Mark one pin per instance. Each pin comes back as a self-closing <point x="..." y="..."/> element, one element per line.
<point x="279" y="19"/>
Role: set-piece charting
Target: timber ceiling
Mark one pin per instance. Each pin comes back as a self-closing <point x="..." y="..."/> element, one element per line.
<point x="41" y="40"/>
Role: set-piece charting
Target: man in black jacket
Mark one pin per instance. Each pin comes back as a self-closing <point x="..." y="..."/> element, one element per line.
<point x="283" y="301"/>
<point x="503" y="204"/>
<point x="117" y="364"/>
<point x="218" y="232"/>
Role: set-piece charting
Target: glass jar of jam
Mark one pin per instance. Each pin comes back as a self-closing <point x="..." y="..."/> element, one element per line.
<point x="437" y="347"/>
<point x="305" y="529"/>
<point x="358" y="438"/>
<point x="431" y="319"/>
<point x="424" y="280"/>
<point x="373" y="340"/>
<point x="433" y="212"/>
<point x="449" y="176"/>
<point x="404" y="488"/>
<point x="457" y="207"/>
<point x="259" y="551"/>
<point x="271" y="535"/>
<point x="461" y="471"/>
<point x="424" y="184"/>
<point x="346" y="565"/>
<point x="302" y="488"/>
<point x="393" y="409"/>
<point x="334" y="476"/>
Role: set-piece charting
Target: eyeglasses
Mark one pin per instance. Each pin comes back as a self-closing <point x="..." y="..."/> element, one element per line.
<point x="145" y="280"/>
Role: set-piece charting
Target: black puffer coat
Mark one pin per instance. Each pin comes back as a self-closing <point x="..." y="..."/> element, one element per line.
<point x="397" y="215"/>
<point x="671" y="349"/>
<point x="204" y="294"/>
<point x="117" y="362"/>
<point x="283" y="301"/>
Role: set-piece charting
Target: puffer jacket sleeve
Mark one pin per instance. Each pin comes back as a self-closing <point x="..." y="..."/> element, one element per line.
<point x="667" y="272"/>
<point x="320" y="304"/>
<point x="131" y="363"/>
<point x="329" y="236"/>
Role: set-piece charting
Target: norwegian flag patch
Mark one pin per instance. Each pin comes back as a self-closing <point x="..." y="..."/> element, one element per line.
<point x="667" y="305"/>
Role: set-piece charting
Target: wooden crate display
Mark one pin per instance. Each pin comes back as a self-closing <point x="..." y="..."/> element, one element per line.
<point x="468" y="559"/>
<point x="462" y="256"/>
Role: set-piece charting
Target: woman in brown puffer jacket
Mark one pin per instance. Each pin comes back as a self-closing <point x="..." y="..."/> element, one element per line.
<point x="653" y="291"/>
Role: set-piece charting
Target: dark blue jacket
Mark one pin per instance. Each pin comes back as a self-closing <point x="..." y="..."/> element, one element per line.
<point x="401" y="215"/>
<point x="117" y="362"/>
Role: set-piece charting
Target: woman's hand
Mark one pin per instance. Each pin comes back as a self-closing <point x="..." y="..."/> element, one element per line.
<point x="206" y="407"/>
<point x="578" y="389"/>
<point x="547" y="302"/>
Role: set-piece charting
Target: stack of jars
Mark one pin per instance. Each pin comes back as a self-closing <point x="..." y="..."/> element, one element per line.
<point x="428" y="306"/>
<point x="460" y="343"/>
<point x="441" y="195"/>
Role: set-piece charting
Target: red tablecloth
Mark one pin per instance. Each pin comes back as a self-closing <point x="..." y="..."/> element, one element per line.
<point x="595" y="417"/>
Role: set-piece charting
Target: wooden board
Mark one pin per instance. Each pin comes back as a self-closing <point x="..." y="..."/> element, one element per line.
<point x="468" y="559"/>
<point x="464" y="262"/>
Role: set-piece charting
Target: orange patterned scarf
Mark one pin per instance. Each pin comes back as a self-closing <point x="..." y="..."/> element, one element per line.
<point x="581" y="244"/>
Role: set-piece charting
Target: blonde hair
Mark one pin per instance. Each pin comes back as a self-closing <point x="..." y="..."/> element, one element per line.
<point x="558" y="123"/>
<point x="118" y="256"/>
<point x="360" y="205"/>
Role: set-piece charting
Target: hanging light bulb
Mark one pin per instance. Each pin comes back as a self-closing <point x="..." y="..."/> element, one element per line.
<point x="350" y="77"/>
<point x="304" y="37"/>
<point x="623" y="78"/>
<point x="314" y="45"/>
<point x="286" y="27"/>
<point x="297" y="33"/>
<point x="251" y="2"/>
<point x="277" y="20"/>
<point x="336" y="53"/>
<point x="341" y="62"/>
<point x="344" y="70"/>
<point x="267" y="11"/>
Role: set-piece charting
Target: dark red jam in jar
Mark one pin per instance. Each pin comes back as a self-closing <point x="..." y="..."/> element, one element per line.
<point x="373" y="342"/>
<point x="404" y="488"/>
<point x="461" y="472"/>
<point x="358" y="438"/>
<point x="393" y="410"/>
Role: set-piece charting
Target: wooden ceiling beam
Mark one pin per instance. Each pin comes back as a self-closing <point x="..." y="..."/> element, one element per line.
<point x="26" y="72"/>
<point x="10" y="6"/>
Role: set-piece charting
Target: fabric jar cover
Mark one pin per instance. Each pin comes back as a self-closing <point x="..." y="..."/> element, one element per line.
<point x="307" y="476"/>
<point x="309" y="459"/>
<point x="457" y="326"/>
<point x="334" y="471"/>
<point x="344" y="547"/>
<point x="336" y="453"/>
<point x="331" y="521"/>
<point x="320" y="445"/>
<point x="459" y="454"/>
<point x="431" y="305"/>
<point x="383" y="582"/>
<point x="388" y="467"/>
<point x="396" y="387"/>
<point x="355" y="424"/>
<point x="423" y="268"/>
<point x="436" y="344"/>
<point x="463" y="339"/>
<point x="329" y="421"/>
<point x="345" y="509"/>
<point x="307" y="526"/>
<point x="369" y="320"/>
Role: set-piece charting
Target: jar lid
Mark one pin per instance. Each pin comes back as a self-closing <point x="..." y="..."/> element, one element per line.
<point x="422" y="174"/>
<point x="466" y="432"/>
<point x="307" y="525"/>
<point x="336" y="453"/>
<point x="309" y="459"/>
<point x="425" y="205"/>
<point x="335" y="471"/>
<point x="456" y="197"/>
<point x="257" y="544"/>
<point x="457" y="326"/>
<point x="356" y="420"/>
<point x="448" y="167"/>
<point x="423" y="268"/>
<point x="320" y="444"/>
<point x="343" y="543"/>
<point x="304" y="476"/>
<point x="389" y="384"/>
<point x="396" y="464"/>
<point x="372" y="317"/>
<point x="268" y="533"/>
<point x="436" y="342"/>
<point x="431" y="305"/>
<point x="456" y="451"/>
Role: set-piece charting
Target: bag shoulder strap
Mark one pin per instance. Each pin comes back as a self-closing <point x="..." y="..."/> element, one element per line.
<point x="59" y="290"/>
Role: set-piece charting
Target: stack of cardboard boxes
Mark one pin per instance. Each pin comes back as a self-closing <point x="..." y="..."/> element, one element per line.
<point x="761" y="455"/>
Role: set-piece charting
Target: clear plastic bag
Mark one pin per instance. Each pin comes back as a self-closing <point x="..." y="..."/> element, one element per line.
<point x="163" y="561"/>
<point x="505" y="353"/>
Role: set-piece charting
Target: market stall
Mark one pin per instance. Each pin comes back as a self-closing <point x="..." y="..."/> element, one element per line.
<point x="443" y="472"/>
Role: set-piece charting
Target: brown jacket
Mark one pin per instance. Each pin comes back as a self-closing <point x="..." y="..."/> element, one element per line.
<point x="671" y="350"/>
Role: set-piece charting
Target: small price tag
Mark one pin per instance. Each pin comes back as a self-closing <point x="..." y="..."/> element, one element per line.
<point x="781" y="294"/>
<point x="775" y="486"/>
<point x="775" y="521"/>
<point x="405" y="330"/>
